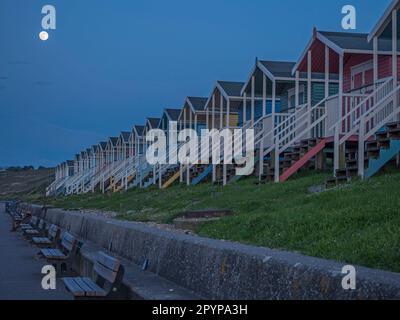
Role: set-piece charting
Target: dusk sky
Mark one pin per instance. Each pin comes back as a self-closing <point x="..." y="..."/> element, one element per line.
<point x="112" y="63"/>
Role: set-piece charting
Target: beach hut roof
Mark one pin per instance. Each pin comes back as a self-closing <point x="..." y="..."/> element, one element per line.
<point x="197" y="103"/>
<point x="172" y="114"/>
<point x="384" y="21"/>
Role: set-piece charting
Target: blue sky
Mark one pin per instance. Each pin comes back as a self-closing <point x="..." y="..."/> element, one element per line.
<point x="112" y="63"/>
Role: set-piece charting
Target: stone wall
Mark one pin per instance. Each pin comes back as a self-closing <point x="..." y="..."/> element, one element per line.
<point x="224" y="270"/>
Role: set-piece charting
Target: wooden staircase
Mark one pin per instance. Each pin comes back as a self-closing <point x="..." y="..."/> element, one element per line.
<point x="170" y="177"/>
<point x="199" y="173"/>
<point x="301" y="155"/>
<point x="230" y="173"/>
<point x="379" y="151"/>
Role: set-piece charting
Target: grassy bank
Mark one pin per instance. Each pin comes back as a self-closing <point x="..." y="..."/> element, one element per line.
<point x="358" y="223"/>
<point x="27" y="185"/>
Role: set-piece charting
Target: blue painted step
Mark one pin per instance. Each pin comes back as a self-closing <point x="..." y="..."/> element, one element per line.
<point x="202" y="176"/>
<point x="385" y="156"/>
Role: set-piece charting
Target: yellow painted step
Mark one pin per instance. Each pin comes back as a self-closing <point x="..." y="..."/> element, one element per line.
<point x="171" y="180"/>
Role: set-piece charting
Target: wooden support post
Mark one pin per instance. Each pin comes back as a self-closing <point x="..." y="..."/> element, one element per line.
<point x="273" y="110"/>
<point x="394" y="46"/>
<point x="297" y="90"/>
<point x="213" y="112"/>
<point x="326" y="71"/>
<point x="221" y="112"/>
<point x="261" y="159"/>
<point x="159" y="177"/>
<point x="336" y="147"/>
<point x="320" y="161"/>
<point x="188" y="175"/>
<point x="276" y="164"/>
<point x="394" y="60"/>
<point x="309" y="90"/>
<point x="264" y="113"/>
<point x="224" y="174"/>
<point x="214" y="173"/>
<point x="361" y="147"/>
<point x="228" y="107"/>
<point x="244" y="108"/>
<point x="252" y="100"/>
<point x="228" y="113"/>
<point x="375" y="60"/>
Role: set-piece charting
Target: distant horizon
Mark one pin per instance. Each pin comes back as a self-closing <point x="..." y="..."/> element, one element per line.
<point x="111" y="64"/>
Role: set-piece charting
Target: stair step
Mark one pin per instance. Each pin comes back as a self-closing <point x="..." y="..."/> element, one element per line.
<point x="394" y="131"/>
<point x="384" y="143"/>
<point x="372" y="144"/>
<point x="341" y="173"/>
<point x="353" y="170"/>
<point x="393" y="125"/>
<point x="381" y="135"/>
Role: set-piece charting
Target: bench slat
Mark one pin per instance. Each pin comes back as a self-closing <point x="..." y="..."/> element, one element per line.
<point x="96" y="289"/>
<point x="31" y="231"/>
<point x="91" y="289"/>
<point x="41" y="240"/>
<point x="107" y="261"/>
<point x="68" y="241"/>
<point x="72" y="286"/>
<point x="56" y="253"/>
<point x="53" y="231"/>
<point x="105" y="273"/>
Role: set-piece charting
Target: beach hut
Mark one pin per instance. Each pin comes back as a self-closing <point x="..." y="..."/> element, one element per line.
<point x="338" y="67"/>
<point x="147" y="172"/>
<point x="136" y="140"/>
<point x="123" y="146"/>
<point x="222" y="112"/>
<point x="169" y="115"/>
<point x="193" y="114"/>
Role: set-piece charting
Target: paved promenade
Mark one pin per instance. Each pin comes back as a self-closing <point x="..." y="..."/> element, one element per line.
<point x="20" y="272"/>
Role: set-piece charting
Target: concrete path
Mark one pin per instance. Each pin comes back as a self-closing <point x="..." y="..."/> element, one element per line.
<point x="20" y="272"/>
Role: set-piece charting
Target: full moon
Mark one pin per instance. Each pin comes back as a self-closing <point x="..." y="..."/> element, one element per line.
<point x="43" y="36"/>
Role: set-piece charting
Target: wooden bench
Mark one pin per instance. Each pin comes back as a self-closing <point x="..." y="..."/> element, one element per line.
<point x="53" y="235"/>
<point x="35" y="232"/>
<point x="20" y="216"/>
<point x="33" y="223"/>
<point x="62" y="258"/>
<point x="106" y="283"/>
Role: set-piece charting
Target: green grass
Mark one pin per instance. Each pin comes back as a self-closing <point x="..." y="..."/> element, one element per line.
<point x="358" y="223"/>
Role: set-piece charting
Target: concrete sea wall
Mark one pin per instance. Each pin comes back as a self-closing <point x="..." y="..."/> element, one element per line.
<point x="223" y="270"/>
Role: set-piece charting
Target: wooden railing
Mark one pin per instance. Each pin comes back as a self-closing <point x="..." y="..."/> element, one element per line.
<point x="354" y="111"/>
<point x="371" y="122"/>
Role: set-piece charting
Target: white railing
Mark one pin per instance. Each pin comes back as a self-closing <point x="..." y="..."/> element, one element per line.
<point x="142" y="169"/>
<point x="304" y="122"/>
<point x="348" y="124"/>
<point x="78" y="183"/>
<point x="299" y="125"/>
<point x="71" y="182"/>
<point x="99" y="176"/>
<point x="352" y="112"/>
<point x="126" y="170"/>
<point x="385" y="111"/>
<point x="160" y="170"/>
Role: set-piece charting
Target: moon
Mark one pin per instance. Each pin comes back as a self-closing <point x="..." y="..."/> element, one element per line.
<point x="43" y="36"/>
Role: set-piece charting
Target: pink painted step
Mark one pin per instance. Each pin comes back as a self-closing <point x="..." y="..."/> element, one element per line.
<point x="303" y="160"/>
